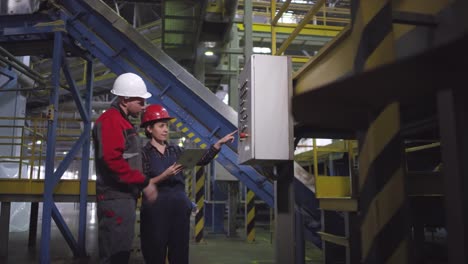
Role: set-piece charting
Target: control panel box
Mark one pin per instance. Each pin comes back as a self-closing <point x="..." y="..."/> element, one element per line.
<point x="264" y="113"/>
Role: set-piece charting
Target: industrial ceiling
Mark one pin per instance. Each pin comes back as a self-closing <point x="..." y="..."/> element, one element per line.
<point x="184" y="30"/>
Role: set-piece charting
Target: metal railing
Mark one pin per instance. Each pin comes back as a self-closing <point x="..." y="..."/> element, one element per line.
<point x="329" y="186"/>
<point x="24" y="145"/>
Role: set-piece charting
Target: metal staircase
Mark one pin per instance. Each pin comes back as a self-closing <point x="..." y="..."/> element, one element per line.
<point x="200" y="114"/>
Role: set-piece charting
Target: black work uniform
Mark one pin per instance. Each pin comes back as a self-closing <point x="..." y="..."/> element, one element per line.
<point x="165" y="224"/>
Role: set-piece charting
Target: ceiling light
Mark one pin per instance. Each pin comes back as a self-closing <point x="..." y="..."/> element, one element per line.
<point x="209" y="53"/>
<point x="264" y="50"/>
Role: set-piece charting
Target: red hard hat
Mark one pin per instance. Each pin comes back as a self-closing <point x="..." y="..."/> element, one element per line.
<point x="154" y="112"/>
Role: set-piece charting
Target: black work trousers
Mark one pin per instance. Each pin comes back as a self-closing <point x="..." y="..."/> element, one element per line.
<point x="165" y="227"/>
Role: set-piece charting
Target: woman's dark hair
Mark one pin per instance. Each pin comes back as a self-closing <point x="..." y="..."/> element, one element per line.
<point x="151" y="124"/>
<point x="148" y="124"/>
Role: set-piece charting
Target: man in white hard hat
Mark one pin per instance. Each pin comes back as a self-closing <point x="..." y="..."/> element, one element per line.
<point x="118" y="169"/>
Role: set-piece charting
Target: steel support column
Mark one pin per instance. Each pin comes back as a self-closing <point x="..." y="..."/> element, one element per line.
<point x="50" y="150"/>
<point x="33" y="224"/>
<point x="85" y="155"/>
<point x="383" y="204"/>
<point x="4" y="228"/>
<point x="234" y="67"/>
<point x="285" y="249"/>
<point x="233" y="203"/>
<point x="333" y="226"/>
<point x="273" y="29"/>
<point x="52" y="175"/>
<point x="199" y="67"/>
<point x="353" y="253"/>
<point x="453" y="127"/>
<point x="300" y="241"/>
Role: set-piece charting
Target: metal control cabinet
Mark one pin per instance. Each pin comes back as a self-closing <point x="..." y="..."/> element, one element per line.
<point x="265" y="120"/>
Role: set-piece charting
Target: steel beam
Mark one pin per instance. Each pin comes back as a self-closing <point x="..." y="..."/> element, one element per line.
<point x="301" y="7"/>
<point x="283" y="8"/>
<point x="308" y="30"/>
<point x="26" y="187"/>
<point x="68" y="158"/>
<point x="309" y="40"/>
<point x="338" y="240"/>
<point x="51" y="140"/>
<point x="62" y="226"/>
<point x="75" y="92"/>
<point x="84" y="174"/>
<point x="301" y="25"/>
<point x="334" y="60"/>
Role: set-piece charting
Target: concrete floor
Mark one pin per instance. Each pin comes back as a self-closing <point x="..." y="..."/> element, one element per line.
<point x="216" y="248"/>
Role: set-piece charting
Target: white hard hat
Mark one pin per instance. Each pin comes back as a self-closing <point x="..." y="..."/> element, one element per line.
<point x="130" y="85"/>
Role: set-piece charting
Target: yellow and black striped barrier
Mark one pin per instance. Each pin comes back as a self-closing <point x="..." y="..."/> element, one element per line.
<point x="200" y="200"/>
<point x="190" y="135"/>
<point x="376" y="44"/>
<point x="384" y="212"/>
<point x="188" y="183"/>
<point x="250" y="215"/>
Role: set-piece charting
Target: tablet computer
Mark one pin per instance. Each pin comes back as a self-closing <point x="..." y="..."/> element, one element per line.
<point x="190" y="157"/>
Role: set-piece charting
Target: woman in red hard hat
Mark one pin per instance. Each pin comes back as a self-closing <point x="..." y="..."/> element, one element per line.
<point x="165" y="223"/>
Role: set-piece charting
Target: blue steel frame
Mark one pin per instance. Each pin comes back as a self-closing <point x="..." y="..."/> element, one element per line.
<point x="48" y="200"/>
<point x="85" y="161"/>
<point x="24" y="24"/>
<point x="50" y="210"/>
<point x="121" y="54"/>
<point x="35" y="27"/>
<point x="11" y="76"/>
